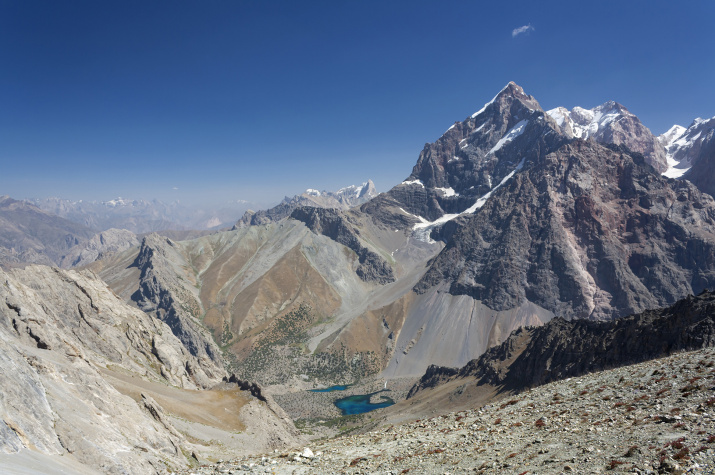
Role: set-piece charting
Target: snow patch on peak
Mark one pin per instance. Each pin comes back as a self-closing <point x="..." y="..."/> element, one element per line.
<point x="448" y="191"/>
<point x="673" y="134"/>
<point x="585" y="123"/>
<point x="413" y="182"/>
<point x="312" y="192"/>
<point x="513" y="133"/>
<point x="423" y="229"/>
<point x="559" y="114"/>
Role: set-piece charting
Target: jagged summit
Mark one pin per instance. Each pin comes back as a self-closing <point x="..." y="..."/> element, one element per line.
<point x="343" y="199"/>
<point x="611" y="123"/>
<point x="688" y="152"/>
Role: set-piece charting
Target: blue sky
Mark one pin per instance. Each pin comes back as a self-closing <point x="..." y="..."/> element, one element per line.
<point x="221" y="100"/>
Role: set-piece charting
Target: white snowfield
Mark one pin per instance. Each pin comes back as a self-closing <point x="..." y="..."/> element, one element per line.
<point x="422" y="230"/>
<point x="413" y="182"/>
<point x="678" y="141"/>
<point x="513" y="133"/>
<point x="585" y="123"/>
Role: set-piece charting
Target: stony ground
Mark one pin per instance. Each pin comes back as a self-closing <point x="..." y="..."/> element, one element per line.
<point x="654" y="417"/>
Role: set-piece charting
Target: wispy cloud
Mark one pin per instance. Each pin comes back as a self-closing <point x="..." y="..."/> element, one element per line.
<point x="522" y="29"/>
<point x="175" y="188"/>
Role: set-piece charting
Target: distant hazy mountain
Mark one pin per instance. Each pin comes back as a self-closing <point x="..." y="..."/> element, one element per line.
<point x="31" y="235"/>
<point x="344" y="198"/>
<point x="141" y="216"/>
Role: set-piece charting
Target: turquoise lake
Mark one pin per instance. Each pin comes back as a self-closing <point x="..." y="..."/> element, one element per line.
<point x="360" y="403"/>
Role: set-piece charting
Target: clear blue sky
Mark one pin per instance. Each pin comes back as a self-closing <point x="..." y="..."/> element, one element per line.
<point x="222" y="99"/>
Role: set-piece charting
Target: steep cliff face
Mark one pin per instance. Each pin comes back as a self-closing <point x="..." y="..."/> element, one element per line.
<point x="586" y="232"/>
<point x="162" y="294"/>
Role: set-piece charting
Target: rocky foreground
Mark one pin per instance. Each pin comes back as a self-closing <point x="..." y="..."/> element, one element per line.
<point x="653" y="417"/>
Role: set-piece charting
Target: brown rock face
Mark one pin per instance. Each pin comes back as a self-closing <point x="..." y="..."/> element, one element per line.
<point x="587" y="232"/>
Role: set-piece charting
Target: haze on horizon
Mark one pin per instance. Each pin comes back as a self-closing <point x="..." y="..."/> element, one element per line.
<point x="213" y="102"/>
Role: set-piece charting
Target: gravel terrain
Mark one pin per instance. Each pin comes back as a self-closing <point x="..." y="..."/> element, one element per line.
<point x="653" y="417"/>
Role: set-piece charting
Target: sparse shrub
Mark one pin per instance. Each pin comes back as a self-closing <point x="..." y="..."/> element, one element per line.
<point x="613" y="464"/>
<point x="497" y="422"/>
<point x="676" y="444"/>
<point x="539" y="423"/>
<point x="682" y="454"/>
<point x="512" y="455"/>
<point x="510" y="403"/>
<point x="711" y="439"/>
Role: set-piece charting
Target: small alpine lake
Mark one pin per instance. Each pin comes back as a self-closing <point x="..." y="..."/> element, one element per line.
<point x="360" y="403"/>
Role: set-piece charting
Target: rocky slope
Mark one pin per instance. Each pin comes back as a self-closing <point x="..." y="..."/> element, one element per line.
<point x="90" y="380"/>
<point x="562" y="349"/>
<point x="342" y="199"/>
<point x="276" y="290"/>
<point x="654" y="417"/>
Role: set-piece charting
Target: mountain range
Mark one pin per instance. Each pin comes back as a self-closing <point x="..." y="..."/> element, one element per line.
<point x="514" y="216"/>
<point x="564" y="222"/>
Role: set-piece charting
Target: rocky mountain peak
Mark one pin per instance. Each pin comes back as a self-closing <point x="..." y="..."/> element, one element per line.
<point x="343" y="199"/>
<point x="612" y="123"/>
<point x="690" y="148"/>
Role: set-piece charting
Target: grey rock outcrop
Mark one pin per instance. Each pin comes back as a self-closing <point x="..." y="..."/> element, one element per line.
<point x="161" y="295"/>
<point x="60" y="330"/>
<point x="331" y="223"/>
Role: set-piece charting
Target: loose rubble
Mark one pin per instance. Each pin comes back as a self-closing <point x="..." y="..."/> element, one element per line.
<point x="654" y="417"/>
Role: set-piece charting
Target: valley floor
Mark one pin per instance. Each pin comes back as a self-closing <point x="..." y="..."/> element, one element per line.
<point x="654" y="417"/>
